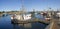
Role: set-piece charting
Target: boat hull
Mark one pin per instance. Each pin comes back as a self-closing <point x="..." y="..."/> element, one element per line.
<point x="20" y="18"/>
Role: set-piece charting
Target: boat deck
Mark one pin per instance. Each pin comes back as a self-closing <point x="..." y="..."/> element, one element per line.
<point x="31" y="21"/>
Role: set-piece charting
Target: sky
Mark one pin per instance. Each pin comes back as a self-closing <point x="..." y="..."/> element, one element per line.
<point x="29" y="5"/>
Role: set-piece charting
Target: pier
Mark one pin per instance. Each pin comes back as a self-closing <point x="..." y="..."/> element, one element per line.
<point x="53" y="25"/>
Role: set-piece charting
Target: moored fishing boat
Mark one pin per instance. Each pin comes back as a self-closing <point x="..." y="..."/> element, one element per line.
<point x="22" y="17"/>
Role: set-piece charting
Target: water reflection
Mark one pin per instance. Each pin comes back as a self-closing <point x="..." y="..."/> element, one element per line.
<point x="5" y="23"/>
<point x="22" y="26"/>
<point x="29" y="26"/>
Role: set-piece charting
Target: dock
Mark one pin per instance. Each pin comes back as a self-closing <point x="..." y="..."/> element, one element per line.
<point x="53" y="25"/>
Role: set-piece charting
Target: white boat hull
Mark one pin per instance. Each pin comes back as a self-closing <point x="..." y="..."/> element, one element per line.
<point x="58" y="15"/>
<point x="19" y="17"/>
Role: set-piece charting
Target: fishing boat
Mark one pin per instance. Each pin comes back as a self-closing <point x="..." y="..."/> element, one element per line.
<point x="21" y="17"/>
<point x="58" y="14"/>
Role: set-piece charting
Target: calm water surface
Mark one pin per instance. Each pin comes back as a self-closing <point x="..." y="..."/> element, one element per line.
<point x="5" y="23"/>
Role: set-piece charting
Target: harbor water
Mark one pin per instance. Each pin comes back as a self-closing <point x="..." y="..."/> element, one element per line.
<point x="5" y="23"/>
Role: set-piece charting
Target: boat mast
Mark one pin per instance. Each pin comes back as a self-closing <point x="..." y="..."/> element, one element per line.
<point x="23" y="9"/>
